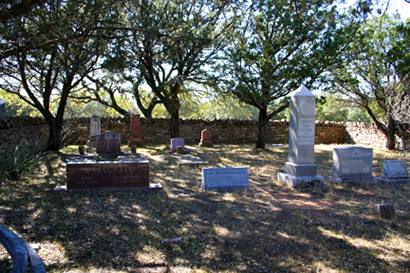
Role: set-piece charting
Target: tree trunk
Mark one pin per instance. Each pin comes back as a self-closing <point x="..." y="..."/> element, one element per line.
<point x="173" y="111"/>
<point x="54" y="135"/>
<point x="262" y="123"/>
<point x="390" y="133"/>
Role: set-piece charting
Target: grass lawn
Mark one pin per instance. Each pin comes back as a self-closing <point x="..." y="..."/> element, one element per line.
<point x="267" y="229"/>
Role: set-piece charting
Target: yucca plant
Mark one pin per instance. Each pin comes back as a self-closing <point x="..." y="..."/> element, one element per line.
<point x="18" y="160"/>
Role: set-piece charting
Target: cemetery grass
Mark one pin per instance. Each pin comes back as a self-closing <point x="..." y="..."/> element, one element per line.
<point x="266" y="229"/>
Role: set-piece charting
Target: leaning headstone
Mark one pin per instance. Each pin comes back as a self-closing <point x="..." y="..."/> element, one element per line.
<point x="136" y="131"/>
<point x="206" y="138"/>
<point x="95" y="130"/>
<point x="225" y="178"/>
<point x="352" y="164"/>
<point x="300" y="171"/>
<point x="177" y="142"/>
<point x="394" y="171"/>
<point x="108" y="143"/>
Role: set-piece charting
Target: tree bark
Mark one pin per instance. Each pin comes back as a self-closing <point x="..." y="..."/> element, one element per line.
<point x="262" y="122"/>
<point x="54" y="142"/>
<point x="391" y="133"/>
<point x="173" y="110"/>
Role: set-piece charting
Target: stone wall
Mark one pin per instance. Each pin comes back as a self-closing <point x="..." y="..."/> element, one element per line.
<point x="34" y="130"/>
<point x="368" y="134"/>
<point x="156" y="131"/>
<point x="22" y="131"/>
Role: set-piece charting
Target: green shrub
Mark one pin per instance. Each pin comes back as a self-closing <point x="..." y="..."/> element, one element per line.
<point x="18" y="160"/>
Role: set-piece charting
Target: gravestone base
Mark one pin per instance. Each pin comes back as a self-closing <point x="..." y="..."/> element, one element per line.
<point x="302" y="182"/>
<point x="205" y="144"/>
<point x="351" y="180"/>
<point x="381" y="179"/>
<point x="152" y="186"/>
<point x="300" y="169"/>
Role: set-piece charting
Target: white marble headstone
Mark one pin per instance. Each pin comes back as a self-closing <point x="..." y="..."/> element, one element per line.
<point x="300" y="171"/>
<point x="302" y="126"/>
<point x="95" y="126"/>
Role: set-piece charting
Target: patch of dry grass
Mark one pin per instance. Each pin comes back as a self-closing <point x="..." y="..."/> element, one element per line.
<point x="266" y="229"/>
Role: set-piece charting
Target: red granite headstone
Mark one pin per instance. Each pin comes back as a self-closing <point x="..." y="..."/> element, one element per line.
<point x="206" y="138"/>
<point x="108" y="174"/>
<point x="136" y="130"/>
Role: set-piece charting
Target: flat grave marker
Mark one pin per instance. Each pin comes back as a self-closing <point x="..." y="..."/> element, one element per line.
<point x="188" y="159"/>
<point x="225" y="178"/>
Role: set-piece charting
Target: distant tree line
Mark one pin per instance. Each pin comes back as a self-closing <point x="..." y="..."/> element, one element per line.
<point x="205" y="58"/>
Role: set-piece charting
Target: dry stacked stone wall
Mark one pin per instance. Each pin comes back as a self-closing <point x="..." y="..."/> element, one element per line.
<point x="31" y="131"/>
<point x="368" y="134"/>
<point x="156" y="131"/>
<point x="22" y="131"/>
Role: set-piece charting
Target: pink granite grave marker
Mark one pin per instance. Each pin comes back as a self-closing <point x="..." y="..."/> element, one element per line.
<point x="135" y="130"/>
<point x="206" y="138"/>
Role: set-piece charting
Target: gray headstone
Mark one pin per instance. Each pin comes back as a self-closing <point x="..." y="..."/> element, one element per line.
<point x="353" y="164"/>
<point x="225" y="178"/>
<point x="177" y="142"/>
<point x="300" y="169"/>
<point x="393" y="169"/>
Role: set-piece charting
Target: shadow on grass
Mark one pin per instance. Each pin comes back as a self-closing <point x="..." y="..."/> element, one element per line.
<point x="267" y="229"/>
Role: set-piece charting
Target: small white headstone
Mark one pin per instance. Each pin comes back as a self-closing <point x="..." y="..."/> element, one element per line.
<point x="95" y="126"/>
